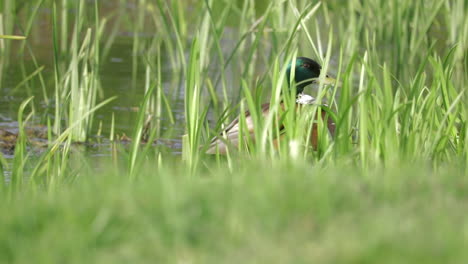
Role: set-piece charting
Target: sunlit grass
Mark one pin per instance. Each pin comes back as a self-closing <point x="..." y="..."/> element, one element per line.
<point x="395" y="168"/>
<point x="12" y="37"/>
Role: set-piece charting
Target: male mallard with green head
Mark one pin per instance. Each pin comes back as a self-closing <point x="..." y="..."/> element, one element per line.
<point x="307" y="71"/>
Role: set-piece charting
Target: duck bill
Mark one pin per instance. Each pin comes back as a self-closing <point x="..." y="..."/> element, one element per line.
<point x="329" y="81"/>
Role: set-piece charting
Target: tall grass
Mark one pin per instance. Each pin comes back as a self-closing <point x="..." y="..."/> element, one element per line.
<point x="401" y="94"/>
<point x="400" y="101"/>
<point x="400" y="143"/>
<point x="77" y="80"/>
<point x="7" y="16"/>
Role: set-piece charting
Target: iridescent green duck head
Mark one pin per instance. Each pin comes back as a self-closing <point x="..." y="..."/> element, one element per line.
<point x="306" y="72"/>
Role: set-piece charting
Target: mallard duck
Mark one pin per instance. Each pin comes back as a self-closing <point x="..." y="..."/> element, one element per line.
<point x="307" y="71"/>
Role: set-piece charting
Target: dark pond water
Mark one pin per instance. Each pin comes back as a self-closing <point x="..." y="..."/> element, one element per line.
<point x="116" y="80"/>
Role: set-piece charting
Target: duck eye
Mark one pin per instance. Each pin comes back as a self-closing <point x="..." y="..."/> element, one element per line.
<point x="305" y="65"/>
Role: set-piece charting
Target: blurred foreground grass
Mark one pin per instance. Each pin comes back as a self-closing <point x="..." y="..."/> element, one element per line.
<point x="389" y="188"/>
<point x="285" y="214"/>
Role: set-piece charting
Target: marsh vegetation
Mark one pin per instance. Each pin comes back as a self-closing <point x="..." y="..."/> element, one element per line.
<point x="106" y="109"/>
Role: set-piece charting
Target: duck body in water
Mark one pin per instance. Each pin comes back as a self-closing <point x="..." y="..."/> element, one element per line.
<point x="307" y="71"/>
